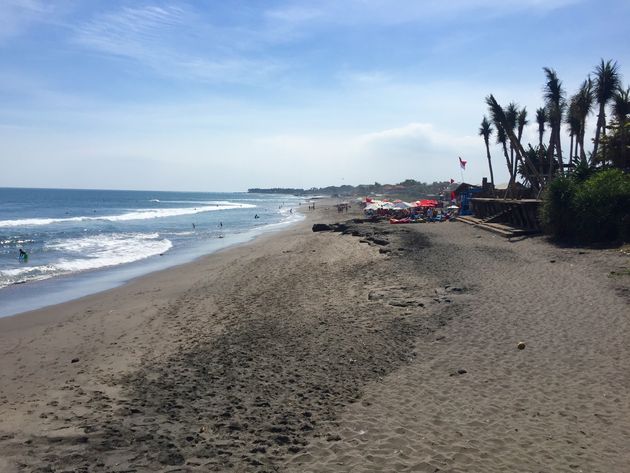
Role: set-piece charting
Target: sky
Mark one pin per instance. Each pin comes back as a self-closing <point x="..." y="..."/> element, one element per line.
<point x="232" y="94"/>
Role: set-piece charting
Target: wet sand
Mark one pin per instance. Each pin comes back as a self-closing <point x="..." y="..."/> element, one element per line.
<point x="388" y="348"/>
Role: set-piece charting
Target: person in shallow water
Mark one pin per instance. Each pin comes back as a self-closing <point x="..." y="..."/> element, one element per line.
<point x="23" y="255"/>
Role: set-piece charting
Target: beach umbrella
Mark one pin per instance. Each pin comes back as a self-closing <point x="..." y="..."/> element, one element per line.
<point x="452" y="207"/>
<point x="402" y="205"/>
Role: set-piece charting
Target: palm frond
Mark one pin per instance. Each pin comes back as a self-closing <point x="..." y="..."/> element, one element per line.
<point x="607" y="80"/>
<point x="621" y="105"/>
<point x="485" y="129"/>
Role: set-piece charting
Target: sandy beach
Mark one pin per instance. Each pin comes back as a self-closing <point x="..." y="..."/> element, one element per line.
<point x="387" y="348"/>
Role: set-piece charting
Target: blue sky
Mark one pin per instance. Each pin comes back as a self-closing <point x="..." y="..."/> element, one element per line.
<point x="226" y="95"/>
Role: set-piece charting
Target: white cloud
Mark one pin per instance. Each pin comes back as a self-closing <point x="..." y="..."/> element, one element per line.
<point x="18" y="15"/>
<point x="389" y="12"/>
<point x="173" y="42"/>
<point x="418" y="145"/>
<point x="294" y="14"/>
<point x="416" y="150"/>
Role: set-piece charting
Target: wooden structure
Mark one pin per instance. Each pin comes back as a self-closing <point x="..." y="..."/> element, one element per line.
<point x="507" y="217"/>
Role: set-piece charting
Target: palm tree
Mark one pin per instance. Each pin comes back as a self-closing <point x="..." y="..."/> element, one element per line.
<point x="574" y="123"/>
<point x="511" y="115"/>
<point x="537" y="156"/>
<point x="502" y="140"/>
<point x="541" y="119"/>
<point x="621" y="105"/>
<point x="607" y="81"/>
<point x="521" y="122"/>
<point x="582" y="103"/>
<point x="621" y="114"/>
<point x="486" y="130"/>
<point x="555" y="105"/>
<point x="498" y="117"/>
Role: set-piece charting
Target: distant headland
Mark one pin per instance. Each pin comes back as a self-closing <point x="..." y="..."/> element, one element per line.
<point x="407" y="187"/>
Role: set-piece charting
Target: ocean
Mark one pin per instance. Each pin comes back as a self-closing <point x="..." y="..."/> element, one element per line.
<point x="83" y="241"/>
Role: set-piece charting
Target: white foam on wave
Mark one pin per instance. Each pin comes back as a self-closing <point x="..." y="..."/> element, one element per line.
<point x="92" y="252"/>
<point x="141" y="214"/>
<point x="203" y="202"/>
<point x="16" y="272"/>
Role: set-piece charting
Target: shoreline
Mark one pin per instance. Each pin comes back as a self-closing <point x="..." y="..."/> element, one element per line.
<point x="305" y="351"/>
<point x="26" y="297"/>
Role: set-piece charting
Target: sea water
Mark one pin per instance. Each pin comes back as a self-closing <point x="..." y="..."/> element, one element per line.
<point x="83" y="241"/>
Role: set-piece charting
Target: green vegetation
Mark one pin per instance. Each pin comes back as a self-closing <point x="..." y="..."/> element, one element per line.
<point x="408" y="189"/>
<point x="540" y="165"/>
<point x="586" y="197"/>
<point x="588" y="207"/>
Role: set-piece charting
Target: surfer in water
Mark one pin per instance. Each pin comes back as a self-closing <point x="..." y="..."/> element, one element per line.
<point x="23" y="255"/>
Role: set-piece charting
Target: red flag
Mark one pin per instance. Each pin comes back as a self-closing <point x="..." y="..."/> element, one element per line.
<point x="462" y="163"/>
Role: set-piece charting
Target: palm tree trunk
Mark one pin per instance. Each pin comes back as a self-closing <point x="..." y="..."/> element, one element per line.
<point x="559" y="145"/>
<point x="490" y="165"/>
<point x="623" y="151"/>
<point x="522" y="156"/>
<point x="537" y="182"/>
<point x="598" y="129"/>
<point x="582" y="132"/>
<point x="550" y="151"/>
<point x="571" y="154"/>
<point x="515" y="168"/>
<point x="507" y="163"/>
<point x="604" y="136"/>
<point x="512" y="167"/>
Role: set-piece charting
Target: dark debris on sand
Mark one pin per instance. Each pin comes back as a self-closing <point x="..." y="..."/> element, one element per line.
<point x="248" y="398"/>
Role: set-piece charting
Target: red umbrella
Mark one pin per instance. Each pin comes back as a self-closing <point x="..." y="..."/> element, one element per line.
<point x="426" y="203"/>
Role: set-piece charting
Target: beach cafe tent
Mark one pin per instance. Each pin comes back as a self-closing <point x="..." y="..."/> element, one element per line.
<point x="399" y="204"/>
